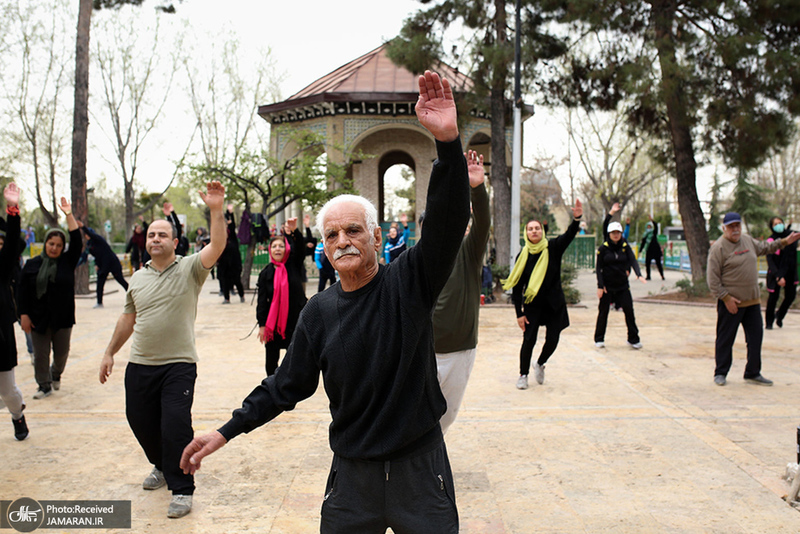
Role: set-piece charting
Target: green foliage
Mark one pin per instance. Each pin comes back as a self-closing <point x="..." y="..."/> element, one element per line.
<point x="499" y="272"/>
<point x="569" y="274"/>
<point x="750" y="201"/>
<point x="715" y="214"/>
<point x="693" y="289"/>
<point x="736" y="80"/>
<point x="268" y="186"/>
<point x="541" y="213"/>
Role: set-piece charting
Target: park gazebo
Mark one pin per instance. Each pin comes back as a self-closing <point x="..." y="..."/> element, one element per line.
<point x="367" y="107"/>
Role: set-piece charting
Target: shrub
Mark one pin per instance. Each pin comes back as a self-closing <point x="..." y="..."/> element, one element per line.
<point x="693" y="290"/>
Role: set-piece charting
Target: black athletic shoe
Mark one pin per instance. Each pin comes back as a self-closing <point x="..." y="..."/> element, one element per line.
<point x="20" y="428"/>
<point x="779" y="322"/>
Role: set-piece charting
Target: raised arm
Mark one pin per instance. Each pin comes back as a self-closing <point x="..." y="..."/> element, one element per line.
<point x="75" y="239"/>
<point x="214" y="198"/>
<point x="481" y="218"/>
<point x="447" y="210"/>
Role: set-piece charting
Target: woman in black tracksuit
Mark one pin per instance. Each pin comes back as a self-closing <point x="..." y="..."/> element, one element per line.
<point x="539" y="300"/>
<point x="782" y="273"/>
<point x="615" y="259"/>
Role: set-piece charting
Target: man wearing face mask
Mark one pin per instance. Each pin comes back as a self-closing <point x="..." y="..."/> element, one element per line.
<point x="732" y="275"/>
<point x="782" y="273"/>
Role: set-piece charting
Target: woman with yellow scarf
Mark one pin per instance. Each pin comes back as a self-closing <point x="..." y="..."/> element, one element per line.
<point x="535" y="281"/>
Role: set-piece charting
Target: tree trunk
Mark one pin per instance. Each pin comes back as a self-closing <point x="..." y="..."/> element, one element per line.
<point x="680" y="132"/>
<point x="501" y="186"/>
<point x="248" y="263"/>
<point x="130" y="216"/>
<point x="80" y="127"/>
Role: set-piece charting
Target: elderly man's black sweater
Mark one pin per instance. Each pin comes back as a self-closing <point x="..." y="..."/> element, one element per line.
<point x="374" y="346"/>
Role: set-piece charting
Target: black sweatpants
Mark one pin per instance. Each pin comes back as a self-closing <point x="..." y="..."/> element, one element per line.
<point x="324" y="278"/>
<point x="554" y="321"/>
<point x="158" y="405"/>
<point x="102" y="274"/>
<point x="273" y="350"/>
<point x="656" y="258"/>
<point x="624" y="300"/>
<point x="790" y="292"/>
<point x="727" y="325"/>
<point x="410" y="496"/>
<point x="228" y="285"/>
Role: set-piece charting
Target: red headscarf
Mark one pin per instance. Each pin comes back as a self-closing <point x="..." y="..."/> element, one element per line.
<point x="279" y="310"/>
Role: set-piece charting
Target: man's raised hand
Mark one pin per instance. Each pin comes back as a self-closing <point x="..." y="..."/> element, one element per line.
<point x="214" y="197"/>
<point x="436" y="108"/>
<point x="474" y="168"/>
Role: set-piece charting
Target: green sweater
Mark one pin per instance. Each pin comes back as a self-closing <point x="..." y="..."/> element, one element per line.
<point x="455" y="319"/>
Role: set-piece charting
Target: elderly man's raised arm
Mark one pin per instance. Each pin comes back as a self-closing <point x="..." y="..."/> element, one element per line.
<point x="447" y="210"/>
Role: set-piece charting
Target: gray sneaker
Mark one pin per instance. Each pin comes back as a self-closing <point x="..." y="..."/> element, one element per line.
<point x="154" y="480"/>
<point x="56" y="384"/>
<point x="180" y="506"/>
<point x="759" y="380"/>
<point x="522" y="382"/>
<point x="719" y="380"/>
<point x="600" y="344"/>
<point x="538" y="373"/>
<point x="637" y="345"/>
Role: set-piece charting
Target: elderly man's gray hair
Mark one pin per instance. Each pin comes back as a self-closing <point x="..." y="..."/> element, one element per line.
<point x="370" y="213"/>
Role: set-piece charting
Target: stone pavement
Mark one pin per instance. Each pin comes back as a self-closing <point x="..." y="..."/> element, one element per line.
<point x="615" y="441"/>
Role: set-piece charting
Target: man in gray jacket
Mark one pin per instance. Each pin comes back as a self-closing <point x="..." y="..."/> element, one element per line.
<point x="732" y="275"/>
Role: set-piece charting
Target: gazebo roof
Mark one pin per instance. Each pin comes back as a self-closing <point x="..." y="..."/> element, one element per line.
<point x="370" y="78"/>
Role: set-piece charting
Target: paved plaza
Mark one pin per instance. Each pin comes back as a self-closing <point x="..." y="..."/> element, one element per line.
<point x="615" y="441"/>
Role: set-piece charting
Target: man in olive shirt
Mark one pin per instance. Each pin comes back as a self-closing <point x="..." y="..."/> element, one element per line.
<point x="160" y="310"/>
<point x="732" y="275"/>
<point x="455" y="318"/>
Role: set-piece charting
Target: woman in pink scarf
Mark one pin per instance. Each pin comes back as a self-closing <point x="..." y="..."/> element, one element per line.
<point x="280" y="293"/>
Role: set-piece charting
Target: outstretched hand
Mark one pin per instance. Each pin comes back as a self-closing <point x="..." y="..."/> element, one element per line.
<point x="614" y="208"/>
<point x="199" y="448"/>
<point x="291" y="224"/>
<point x="474" y="168"/>
<point x="214" y="197"/>
<point x="167" y="208"/>
<point x="436" y="108"/>
<point x="11" y="194"/>
<point x="577" y="211"/>
<point x="794" y="236"/>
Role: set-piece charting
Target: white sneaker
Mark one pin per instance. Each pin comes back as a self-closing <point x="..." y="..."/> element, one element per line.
<point x="180" y="506"/>
<point x="637" y="345"/>
<point x="538" y="373"/>
<point x="42" y="393"/>
<point x="600" y="344"/>
<point x="522" y="382"/>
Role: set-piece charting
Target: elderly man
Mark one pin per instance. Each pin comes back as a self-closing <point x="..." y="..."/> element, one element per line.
<point x="371" y="338"/>
<point x="160" y="309"/>
<point x="732" y="275"/>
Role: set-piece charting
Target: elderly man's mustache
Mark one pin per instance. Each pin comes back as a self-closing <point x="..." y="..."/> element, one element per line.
<point x="349" y="249"/>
